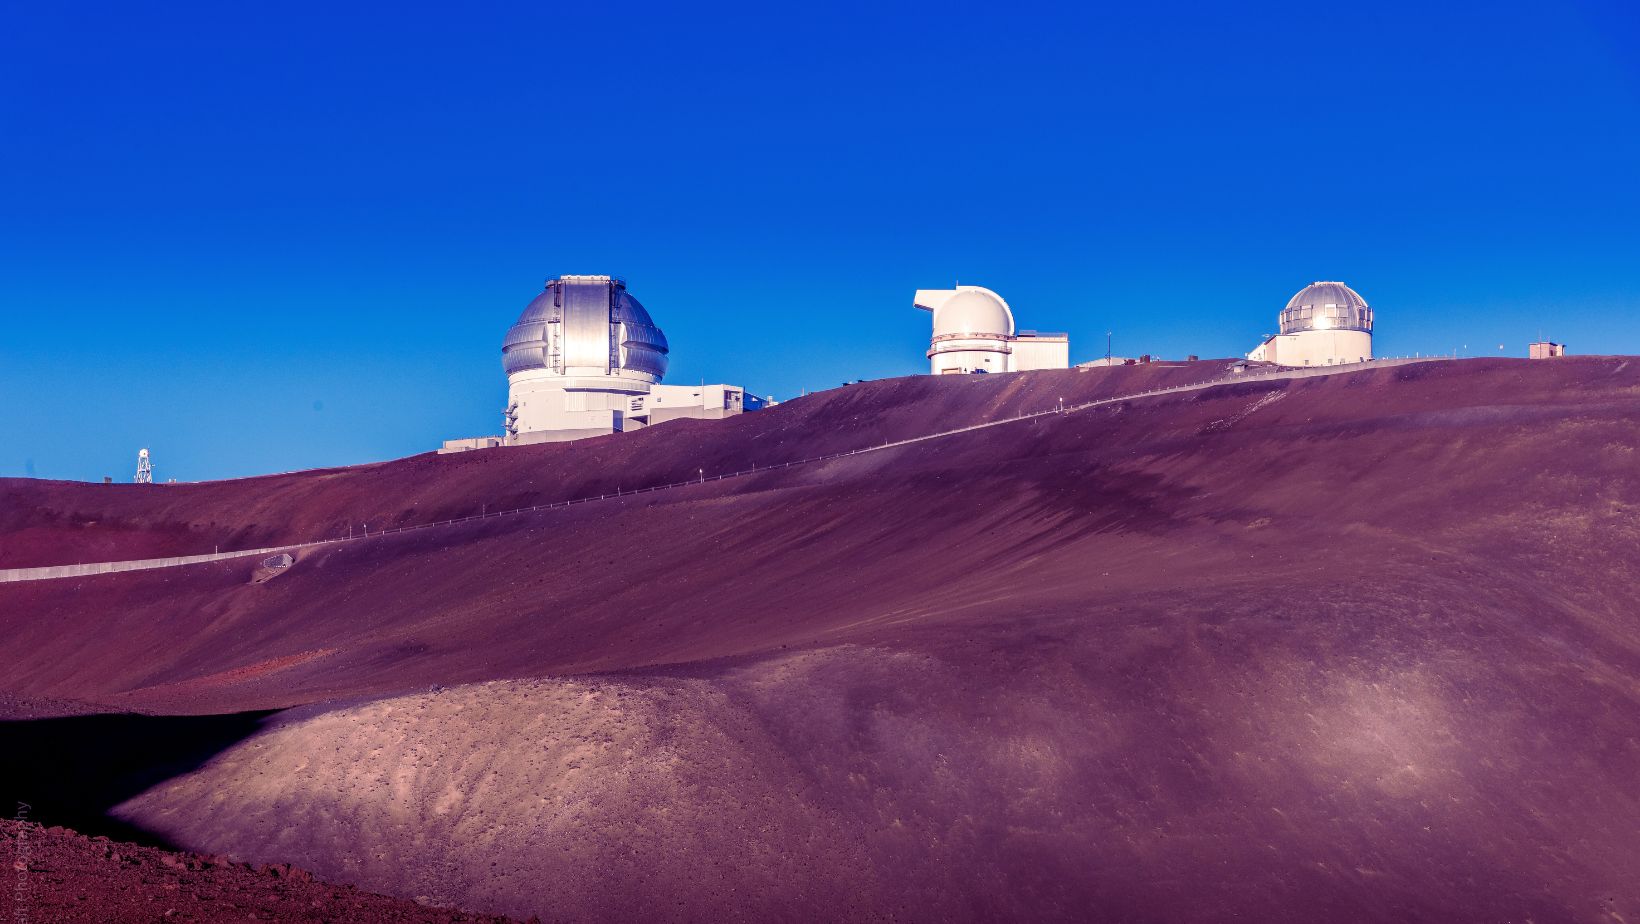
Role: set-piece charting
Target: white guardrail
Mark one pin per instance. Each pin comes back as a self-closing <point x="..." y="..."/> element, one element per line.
<point x="51" y="572"/>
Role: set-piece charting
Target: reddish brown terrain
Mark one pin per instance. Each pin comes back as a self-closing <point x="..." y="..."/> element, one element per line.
<point x="1356" y="647"/>
<point x="62" y="877"/>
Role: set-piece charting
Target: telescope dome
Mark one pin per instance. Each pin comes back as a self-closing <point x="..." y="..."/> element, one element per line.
<point x="582" y="325"/>
<point x="1326" y="306"/>
<point x="973" y="311"/>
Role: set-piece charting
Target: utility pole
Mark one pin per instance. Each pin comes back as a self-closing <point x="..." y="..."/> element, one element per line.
<point x="1107" y="347"/>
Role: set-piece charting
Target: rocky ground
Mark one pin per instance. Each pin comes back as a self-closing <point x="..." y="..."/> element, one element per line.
<point x="61" y="877"/>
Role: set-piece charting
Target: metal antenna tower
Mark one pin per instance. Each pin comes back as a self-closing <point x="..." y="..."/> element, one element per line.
<point x="145" y="468"/>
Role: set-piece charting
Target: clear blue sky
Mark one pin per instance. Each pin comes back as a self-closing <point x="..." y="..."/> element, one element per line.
<point x="274" y="236"/>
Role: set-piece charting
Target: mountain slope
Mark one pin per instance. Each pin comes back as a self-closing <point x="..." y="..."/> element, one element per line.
<point x="1364" y="646"/>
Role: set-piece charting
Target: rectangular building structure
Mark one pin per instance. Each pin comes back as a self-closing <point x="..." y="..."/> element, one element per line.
<point x="662" y="403"/>
<point x="1034" y="350"/>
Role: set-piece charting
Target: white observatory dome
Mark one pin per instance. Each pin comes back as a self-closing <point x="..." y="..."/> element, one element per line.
<point x="1326" y="306"/>
<point x="973" y="311"/>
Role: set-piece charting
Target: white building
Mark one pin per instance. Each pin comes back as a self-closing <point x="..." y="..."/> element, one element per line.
<point x="974" y="332"/>
<point x="585" y="359"/>
<point x="1325" y="324"/>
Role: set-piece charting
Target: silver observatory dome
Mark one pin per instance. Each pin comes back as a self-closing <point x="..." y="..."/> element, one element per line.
<point x="1326" y="306"/>
<point x="586" y="325"/>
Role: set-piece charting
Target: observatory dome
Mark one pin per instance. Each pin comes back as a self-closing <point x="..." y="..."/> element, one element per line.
<point x="1326" y="306"/>
<point x="584" y="325"/>
<point x="973" y="311"/>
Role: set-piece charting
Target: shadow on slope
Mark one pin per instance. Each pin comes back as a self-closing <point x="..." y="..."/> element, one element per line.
<point x="72" y="771"/>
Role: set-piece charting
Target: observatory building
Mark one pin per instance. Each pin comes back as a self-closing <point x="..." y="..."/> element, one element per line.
<point x="974" y="332"/>
<point x="585" y="359"/>
<point x="577" y="358"/>
<point x="1325" y="324"/>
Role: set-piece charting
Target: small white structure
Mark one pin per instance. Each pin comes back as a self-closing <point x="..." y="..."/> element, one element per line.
<point x="1545" y="349"/>
<point x="974" y="332"/>
<point x="145" y="468"/>
<point x="703" y="402"/>
<point x="470" y="442"/>
<point x="1325" y="324"/>
<point x="585" y="359"/>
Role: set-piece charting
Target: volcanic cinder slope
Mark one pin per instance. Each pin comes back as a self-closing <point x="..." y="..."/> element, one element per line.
<point x="59" y="877"/>
<point x="1355" y="647"/>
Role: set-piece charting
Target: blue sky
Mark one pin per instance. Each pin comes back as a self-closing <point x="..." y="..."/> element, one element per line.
<point x="261" y="238"/>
